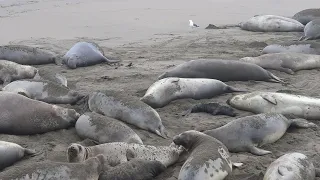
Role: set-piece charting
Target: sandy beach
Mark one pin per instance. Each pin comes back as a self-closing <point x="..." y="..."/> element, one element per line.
<point x="154" y="36"/>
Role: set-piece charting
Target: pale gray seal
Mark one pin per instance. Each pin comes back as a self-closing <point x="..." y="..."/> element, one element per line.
<point x="271" y="23"/>
<point x="288" y="62"/>
<point x="26" y="55"/>
<point x="50" y="76"/>
<point x="307" y="15"/>
<point x="24" y="116"/>
<point x="11" y="71"/>
<point x="103" y="129"/>
<point x="11" y="153"/>
<point x="212" y="108"/>
<point x="163" y="91"/>
<point x="305" y="47"/>
<point x="208" y="159"/>
<point x="223" y="70"/>
<point x="311" y="30"/>
<point x="244" y="134"/>
<point x="85" y="54"/>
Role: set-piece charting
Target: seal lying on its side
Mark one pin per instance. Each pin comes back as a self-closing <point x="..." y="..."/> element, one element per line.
<point x="11" y="153"/>
<point x="54" y="77"/>
<point x="311" y="30"/>
<point x="307" y="15"/>
<point x="212" y="108"/>
<point x="296" y="46"/>
<point x="244" y="134"/>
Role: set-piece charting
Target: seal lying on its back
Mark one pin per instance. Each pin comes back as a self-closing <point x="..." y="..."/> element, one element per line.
<point x="223" y="70"/>
<point x="282" y="103"/>
<point x="311" y="30"/>
<point x="286" y="62"/>
<point x="24" y="116"/>
<point x="271" y="23"/>
<point x="212" y="108"/>
<point x="296" y="46"/>
<point x="244" y="134"/>
<point x="307" y="15"/>
<point x="11" y="153"/>
<point x="85" y="54"/>
<point x="166" y="90"/>
<point x="104" y="129"/>
<point x="26" y="55"/>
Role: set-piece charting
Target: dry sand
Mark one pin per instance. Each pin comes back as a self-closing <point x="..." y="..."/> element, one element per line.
<point x="155" y="38"/>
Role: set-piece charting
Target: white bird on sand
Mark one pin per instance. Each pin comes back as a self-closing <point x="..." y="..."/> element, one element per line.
<point x="191" y="24"/>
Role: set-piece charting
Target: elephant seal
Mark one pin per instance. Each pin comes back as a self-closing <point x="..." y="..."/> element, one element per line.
<point x="45" y="91"/>
<point x="307" y="15"/>
<point x="208" y="159"/>
<point x="293" y="166"/>
<point x="11" y="71"/>
<point x="85" y="54"/>
<point x="220" y="70"/>
<point x="212" y="108"/>
<point x="162" y="92"/>
<point x="26" y="55"/>
<point x="24" y="116"/>
<point x="121" y="152"/>
<point x="54" y="77"/>
<point x="88" y="170"/>
<point x="127" y="109"/>
<point x="104" y="129"/>
<point x="286" y="104"/>
<point x="311" y="30"/>
<point x="295" y="47"/>
<point x="135" y="169"/>
<point x="285" y="62"/>
<point x="271" y="23"/>
<point x="244" y="134"/>
<point x="11" y="153"/>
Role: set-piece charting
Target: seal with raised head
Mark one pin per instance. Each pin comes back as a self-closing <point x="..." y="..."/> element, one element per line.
<point x="244" y="134"/>
<point x="26" y="55"/>
<point x="282" y="103"/>
<point x="307" y="15"/>
<point x="211" y="108"/>
<point x="50" y="76"/>
<point x="305" y="47"/>
<point x="43" y="90"/>
<point x="24" y="116"/>
<point x="85" y="54"/>
<point x="271" y="23"/>
<point x="104" y="129"/>
<point x="121" y="152"/>
<point x="223" y="70"/>
<point x="311" y="30"/>
<point x="163" y="91"/>
<point x="11" y="153"/>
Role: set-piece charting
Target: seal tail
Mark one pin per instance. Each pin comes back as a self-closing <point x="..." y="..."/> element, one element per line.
<point x="109" y="60"/>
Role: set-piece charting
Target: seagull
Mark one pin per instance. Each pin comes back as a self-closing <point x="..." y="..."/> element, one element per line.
<point x="191" y="24"/>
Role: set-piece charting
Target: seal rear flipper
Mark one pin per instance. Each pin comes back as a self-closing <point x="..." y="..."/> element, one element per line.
<point x="259" y="152"/>
<point x="187" y="112"/>
<point x="31" y="152"/>
<point x="233" y="89"/>
<point x="302" y="123"/>
<point x="275" y="78"/>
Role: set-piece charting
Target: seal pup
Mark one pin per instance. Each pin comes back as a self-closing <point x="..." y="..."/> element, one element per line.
<point x="311" y="30"/>
<point x="11" y="153"/>
<point x="246" y="133"/>
<point x="285" y="62"/>
<point x="307" y="15"/>
<point x="282" y="103"/>
<point x="26" y="55"/>
<point x="212" y="108"/>
<point x="121" y="152"/>
<point x="163" y="91"/>
<point x="271" y="23"/>
<point x="85" y="54"/>
<point x="103" y="129"/>
<point x="24" y="116"/>
<point x="54" y="77"/>
<point x="135" y="169"/>
<point x="295" y="46"/>
<point x="220" y="70"/>
<point x="43" y="90"/>
<point x="293" y="166"/>
<point x="127" y="109"/>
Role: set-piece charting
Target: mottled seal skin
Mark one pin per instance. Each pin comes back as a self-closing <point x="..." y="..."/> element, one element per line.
<point x="220" y="70"/>
<point x="26" y="55"/>
<point x="212" y="108"/>
<point x="121" y="152"/>
<point x="88" y="170"/>
<point x="293" y="166"/>
<point x="163" y="91"/>
<point x="272" y="23"/>
<point x="85" y="54"/>
<point x="54" y="77"/>
<point x="295" y="47"/>
<point x="208" y="159"/>
<point x="11" y="71"/>
<point x="282" y="103"/>
<point x="43" y="90"/>
<point x="127" y="109"/>
<point x="244" y="134"/>
<point x="285" y="62"/>
<point x="311" y="30"/>
<point x="24" y="116"/>
<point x="307" y="15"/>
<point x="11" y="153"/>
<point x="135" y="169"/>
<point x="103" y="129"/>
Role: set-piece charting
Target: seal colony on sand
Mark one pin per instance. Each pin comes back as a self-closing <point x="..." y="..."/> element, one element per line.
<point x="305" y="47"/>
<point x="244" y="134"/>
<point x="307" y="15"/>
<point x="311" y="30"/>
<point x="212" y="108"/>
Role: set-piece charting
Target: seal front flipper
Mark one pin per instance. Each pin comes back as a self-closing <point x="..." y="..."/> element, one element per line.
<point x="269" y="98"/>
<point x="259" y="152"/>
<point x="302" y="123"/>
